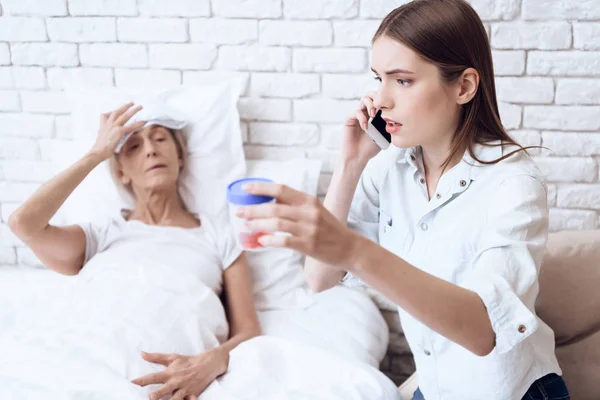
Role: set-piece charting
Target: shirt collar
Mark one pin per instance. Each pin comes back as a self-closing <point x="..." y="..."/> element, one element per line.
<point x="468" y="166"/>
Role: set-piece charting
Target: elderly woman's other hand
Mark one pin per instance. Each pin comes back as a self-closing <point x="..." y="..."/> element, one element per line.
<point x="185" y="377"/>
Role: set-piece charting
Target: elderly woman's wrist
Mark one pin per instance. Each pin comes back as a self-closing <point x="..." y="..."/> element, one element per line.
<point x="95" y="156"/>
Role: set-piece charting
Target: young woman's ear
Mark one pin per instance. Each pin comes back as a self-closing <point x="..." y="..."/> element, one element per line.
<point x="468" y="83"/>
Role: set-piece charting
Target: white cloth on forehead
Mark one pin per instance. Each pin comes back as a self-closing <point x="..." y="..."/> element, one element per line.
<point x="155" y="112"/>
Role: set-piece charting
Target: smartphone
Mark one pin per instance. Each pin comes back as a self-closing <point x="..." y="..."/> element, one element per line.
<point x="376" y="131"/>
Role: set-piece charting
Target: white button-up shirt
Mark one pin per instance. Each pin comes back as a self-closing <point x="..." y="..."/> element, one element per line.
<point x="485" y="229"/>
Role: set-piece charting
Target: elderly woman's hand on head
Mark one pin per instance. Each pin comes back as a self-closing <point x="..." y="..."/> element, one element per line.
<point x="313" y="230"/>
<point x="112" y="129"/>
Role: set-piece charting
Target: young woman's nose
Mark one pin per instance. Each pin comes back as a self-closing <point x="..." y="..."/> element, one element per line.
<point x="383" y="99"/>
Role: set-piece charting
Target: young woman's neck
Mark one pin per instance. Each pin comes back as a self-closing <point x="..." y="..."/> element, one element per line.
<point x="435" y="156"/>
<point x="162" y="207"/>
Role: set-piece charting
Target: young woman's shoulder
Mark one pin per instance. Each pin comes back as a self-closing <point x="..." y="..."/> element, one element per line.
<point x="518" y="163"/>
<point x="379" y="166"/>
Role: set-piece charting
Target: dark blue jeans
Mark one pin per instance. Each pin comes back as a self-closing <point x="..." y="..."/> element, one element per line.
<point x="550" y="387"/>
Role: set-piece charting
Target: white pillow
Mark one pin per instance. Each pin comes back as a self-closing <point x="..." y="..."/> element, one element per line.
<point x="277" y="274"/>
<point x="214" y="144"/>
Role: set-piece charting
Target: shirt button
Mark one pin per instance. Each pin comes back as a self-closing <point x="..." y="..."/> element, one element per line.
<point x="463" y="183"/>
<point x="427" y="352"/>
<point x="424" y="226"/>
<point x="522" y="328"/>
<point x="412" y="157"/>
<point x="422" y="180"/>
<point x="438" y="196"/>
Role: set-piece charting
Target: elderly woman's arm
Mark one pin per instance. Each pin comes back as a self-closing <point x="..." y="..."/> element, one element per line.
<point x="188" y="376"/>
<point x="241" y="313"/>
<point x="62" y="248"/>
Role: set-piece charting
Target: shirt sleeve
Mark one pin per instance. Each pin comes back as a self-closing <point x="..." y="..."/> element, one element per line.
<point x="95" y="238"/>
<point x="228" y="248"/>
<point x="363" y="217"/>
<point x="508" y="259"/>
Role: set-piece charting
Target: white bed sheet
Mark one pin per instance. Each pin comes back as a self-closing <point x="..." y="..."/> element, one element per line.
<point x="329" y="350"/>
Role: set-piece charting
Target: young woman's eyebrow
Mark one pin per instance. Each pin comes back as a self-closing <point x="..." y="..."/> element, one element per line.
<point x="395" y="71"/>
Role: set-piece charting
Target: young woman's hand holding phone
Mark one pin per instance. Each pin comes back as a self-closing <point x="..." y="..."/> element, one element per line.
<point x="356" y="145"/>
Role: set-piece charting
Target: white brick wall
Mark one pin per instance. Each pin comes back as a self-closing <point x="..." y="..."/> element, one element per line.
<point x="306" y="64"/>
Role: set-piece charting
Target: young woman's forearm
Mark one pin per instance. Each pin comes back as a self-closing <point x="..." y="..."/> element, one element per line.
<point x="35" y="213"/>
<point x="321" y="276"/>
<point x="454" y="312"/>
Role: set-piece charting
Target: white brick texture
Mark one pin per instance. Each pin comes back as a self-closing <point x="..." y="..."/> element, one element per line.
<point x="182" y="56"/>
<point x="560" y="10"/>
<point x="569" y="63"/>
<point x="586" y="35"/>
<point x="174" y="8"/>
<point x="496" y="9"/>
<point x="253" y="58"/>
<point x="102" y="7"/>
<point x="578" y="91"/>
<point x="44" y="54"/>
<point x="379" y="9"/>
<point x="113" y="54"/>
<point x="147" y="78"/>
<point x="4" y="54"/>
<point x="85" y="29"/>
<point x="248" y="8"/>
<point x="29" y="77"/>
<point x="22" y="29"/>
<point x="161" y="30"/>
<point x="284" y="85"/>
<point x="531" y="35"/>
<point x="223" y="30"/>
<point x="305" y="65"/>
<point x="354" y="33"/>
<point x="318" y="9"/>
<point x="525" y="90"/>
<point x="583" y="118"/>
<point x="329" y="60"/>
<point x="59" y="78"/>
<point x="35" y="7"/>
<point x="295" y="33"/>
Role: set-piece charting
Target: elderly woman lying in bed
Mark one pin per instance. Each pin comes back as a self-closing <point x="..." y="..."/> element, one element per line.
<point x="155" y="272"/>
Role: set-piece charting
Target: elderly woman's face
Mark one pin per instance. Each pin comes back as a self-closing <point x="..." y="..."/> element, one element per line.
<point x="149" y="159"/>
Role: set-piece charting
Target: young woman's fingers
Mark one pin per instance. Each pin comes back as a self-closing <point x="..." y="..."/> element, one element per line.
<point x="272" y="225"/>
<point x="123" y="118"/>
<point x="362" y="119"/>
<point x="284" y="194"/>
<point x="117" y="113"/>
<point x="284" y="241"/>
<point x="366" y="103"/>
<point x="294" y="213"/>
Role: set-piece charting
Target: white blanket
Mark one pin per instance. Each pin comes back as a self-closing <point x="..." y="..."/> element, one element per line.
<point x="85" y="343"/>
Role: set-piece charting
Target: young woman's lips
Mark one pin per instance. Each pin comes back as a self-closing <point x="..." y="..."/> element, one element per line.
<point x="392" y="126"/>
